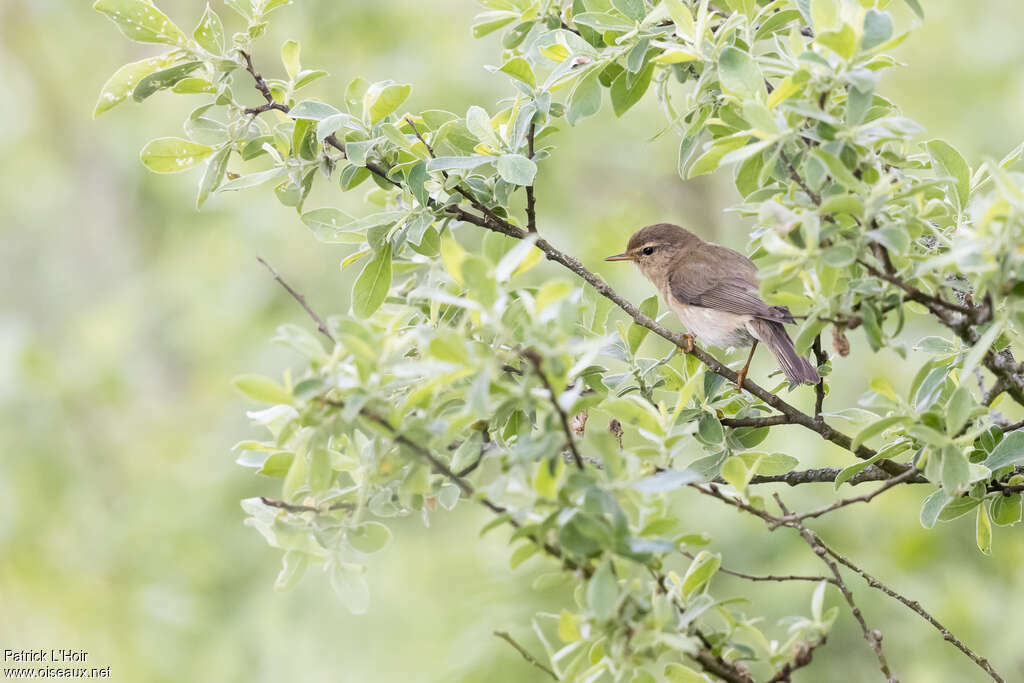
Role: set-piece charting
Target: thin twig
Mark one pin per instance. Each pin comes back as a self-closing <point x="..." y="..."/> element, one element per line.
<point x="264" y="89"/>
<point x="524" y="653"/>
<point x="537" y="363"/>
<point x="814" y="196"/>
<point x="820" y="358"/>
<point x="915" y="607"/>
<point x="320" y="325"/>
<point x="866" y="498"/>
<point x="913" y="293"/>
<point x="766" y="577"/>
<point x="290" y="507"/>
<point x="531" y="200"/>
<point x="872" y="636"/>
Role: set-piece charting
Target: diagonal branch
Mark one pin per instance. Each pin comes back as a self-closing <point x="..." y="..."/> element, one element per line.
<point x="865" y="498"/>
<point x="302" y="302"/>
<point x="490" y="221"/>
<point x="915" y="607"/>
<point x="872" y="636"/>
<point x="831" y="558"/>
<point x="524" y="653"/>
<point x="536" y="362"/>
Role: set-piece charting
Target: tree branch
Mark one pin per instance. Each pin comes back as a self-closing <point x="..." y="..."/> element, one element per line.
<point x="915" y="607"/>
<point x="872" y="636"/>
<point x="290" y="507"/>
<point x="831" y="558"/>
<point x="524" y="653"/>
<point x="531" y="200"/>
<point x="820" y="358"/>
<point x="302" y="302"/>
<point x="767" y="421"/>
<point x="491" y="221"/>
<point x="866" y="498"/>
<point x="765" y="577"/>
<point x="537" y="362"/>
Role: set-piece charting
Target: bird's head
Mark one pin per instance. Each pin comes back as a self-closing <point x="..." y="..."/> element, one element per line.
<point x="657" y="248"/>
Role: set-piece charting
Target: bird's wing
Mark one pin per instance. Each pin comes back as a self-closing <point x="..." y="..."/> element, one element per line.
<point x="698" y="280"/>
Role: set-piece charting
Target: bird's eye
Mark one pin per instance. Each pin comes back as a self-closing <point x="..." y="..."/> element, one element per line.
<point x="647" y="251"/>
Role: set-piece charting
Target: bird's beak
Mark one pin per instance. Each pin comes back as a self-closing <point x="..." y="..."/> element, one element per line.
<point x="624" y="256"/>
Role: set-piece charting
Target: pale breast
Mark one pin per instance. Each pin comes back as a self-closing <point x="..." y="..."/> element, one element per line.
<point x="716" y="328"/>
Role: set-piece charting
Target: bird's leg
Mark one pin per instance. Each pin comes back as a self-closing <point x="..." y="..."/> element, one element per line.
<point x="742" y="374"/>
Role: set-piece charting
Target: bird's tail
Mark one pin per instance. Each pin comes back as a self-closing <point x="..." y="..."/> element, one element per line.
<point x="798" y="370"/>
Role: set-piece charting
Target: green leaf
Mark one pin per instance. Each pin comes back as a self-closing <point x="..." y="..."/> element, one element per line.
<point x="585" y="99"/>
<point x="677" y="673"/>
<point x="771" y="464"/>
<point x="1006" y="510"/>
<point x="215" y="170"/>
<point x="262" y="389"/>
<point x="163" y="79"/>
<point x="956" y="472"/>
<point x="932" y="506"/>
<point x="603" y="592"/>
<point x="373" y="283"/>
<point x="961" y="405"/>
<point x="877" y="427"/>
<point x="978" y="351"/>
<point x="739" y="74"/>
<point x="843" y="42"/>
<point x="668" y="481"/>
<point x="848" y="472"/>
<point x="141" y="21"/>
<point x="349" y="585"/>
<point x="935" y="345"/>
<point x="628" y="89"/>
<point x="709" y="161"/>
<point x="735" y="473"/>
<point x="681" y="17"/>
<point x="637" y="333"/>
<point x="916" y="7"/>
<point x="458" y="163"/>
<point x="520" y="69"/>
<point x="634" y="9"/>
<point x="209" y="33"/>
<point x="1009" y="451"/>
<point x="293" y="567"/>
<point x="877" y="29"/>
<point x="123" y="82"/>
<point x="290" y="52"/>
<point x="984" y="531"/>
<point x="369" y="537"/>
<point x="314" y="111"/>
<point x="384" y="98"/>
<point x="516" y="169"/>
<point x="171" y="155"/>
<point x="701" y="569"/>
<point x="947" y="161"/>
<point x="522" y="554"/>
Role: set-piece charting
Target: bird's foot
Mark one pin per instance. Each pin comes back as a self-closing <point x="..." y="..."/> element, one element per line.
<point x="740" y="376"/>
<point x="689" y="343"/>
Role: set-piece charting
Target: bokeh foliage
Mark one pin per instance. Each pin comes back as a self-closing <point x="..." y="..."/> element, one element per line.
<point x="549" y="335"/>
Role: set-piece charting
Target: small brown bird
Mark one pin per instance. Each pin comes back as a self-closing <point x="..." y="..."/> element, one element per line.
<point x="714" y="292"/>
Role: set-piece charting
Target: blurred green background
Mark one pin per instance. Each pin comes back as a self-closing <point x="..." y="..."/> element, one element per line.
<point x="126" y="313"/>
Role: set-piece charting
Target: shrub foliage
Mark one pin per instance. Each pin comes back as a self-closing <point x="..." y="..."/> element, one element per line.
<point x="459" y="377"/>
